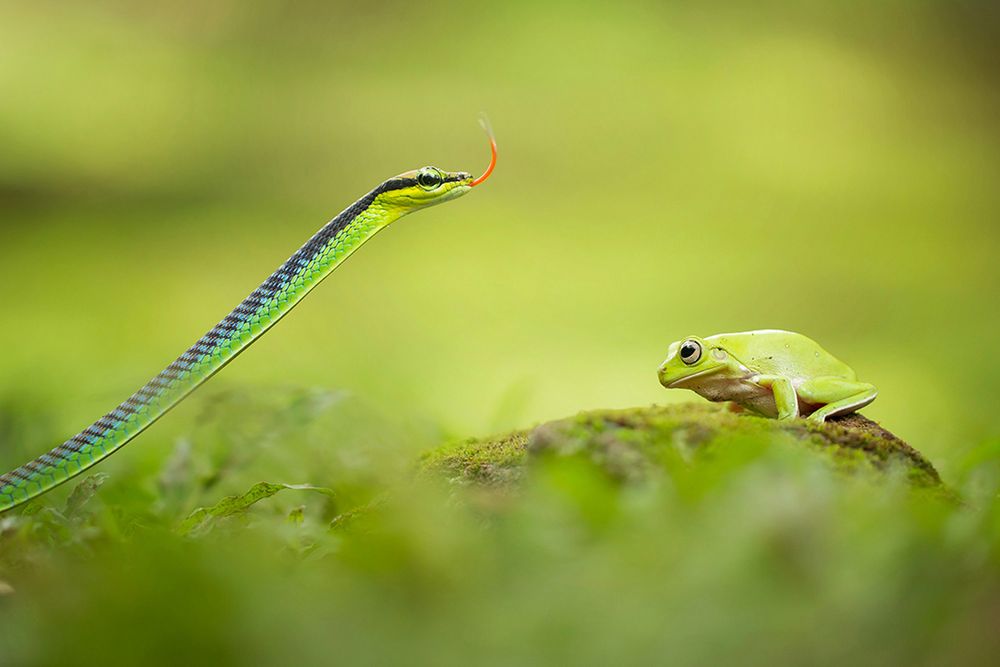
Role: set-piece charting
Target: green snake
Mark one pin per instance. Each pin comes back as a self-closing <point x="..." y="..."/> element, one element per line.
<point x="272" y="300"/>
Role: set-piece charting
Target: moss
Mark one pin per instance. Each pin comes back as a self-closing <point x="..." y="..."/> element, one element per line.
<point x="632" y="444"/>
<point x="496" y="460"/>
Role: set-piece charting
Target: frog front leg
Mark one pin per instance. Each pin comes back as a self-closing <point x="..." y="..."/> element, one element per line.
<point x="838" y="396"/>
<point x="785" y="399"/>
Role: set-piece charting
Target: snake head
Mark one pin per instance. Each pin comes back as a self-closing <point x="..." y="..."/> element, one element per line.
<point x="424" y="187"/>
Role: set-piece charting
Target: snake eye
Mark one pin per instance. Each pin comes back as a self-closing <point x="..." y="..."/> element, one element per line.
<point x="429" y="178"/>
<point x="690" y="352"/>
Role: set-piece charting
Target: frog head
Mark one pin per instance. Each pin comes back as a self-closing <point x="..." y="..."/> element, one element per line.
<point x="692" y="358"/>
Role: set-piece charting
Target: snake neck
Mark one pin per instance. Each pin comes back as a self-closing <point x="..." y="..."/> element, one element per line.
<point x="258" y="312"/>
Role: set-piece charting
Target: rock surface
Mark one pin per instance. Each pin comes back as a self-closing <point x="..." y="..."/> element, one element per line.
<point x="629" y="444"/>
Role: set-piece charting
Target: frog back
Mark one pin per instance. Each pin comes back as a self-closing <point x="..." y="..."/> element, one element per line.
<point x="777" y="352"/>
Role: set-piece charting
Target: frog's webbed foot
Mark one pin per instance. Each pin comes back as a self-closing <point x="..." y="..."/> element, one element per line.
<point x="836" y="395"/>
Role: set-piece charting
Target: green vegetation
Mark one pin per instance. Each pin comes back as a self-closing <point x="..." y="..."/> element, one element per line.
<point x="686" y="531"/>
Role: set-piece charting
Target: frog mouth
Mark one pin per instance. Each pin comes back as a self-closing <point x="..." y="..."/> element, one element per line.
<point x="687" y="378"/>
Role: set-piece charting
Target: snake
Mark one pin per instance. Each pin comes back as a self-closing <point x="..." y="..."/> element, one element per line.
<point x="246" y="323"/>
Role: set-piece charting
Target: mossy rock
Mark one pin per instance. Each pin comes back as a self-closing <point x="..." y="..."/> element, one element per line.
<point x="629" y="444"/>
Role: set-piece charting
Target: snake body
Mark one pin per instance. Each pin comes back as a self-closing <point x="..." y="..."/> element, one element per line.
<point x="258" y="312"/>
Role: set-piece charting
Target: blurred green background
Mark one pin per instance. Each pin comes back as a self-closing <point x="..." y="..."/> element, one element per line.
<point x="665" y="169"/>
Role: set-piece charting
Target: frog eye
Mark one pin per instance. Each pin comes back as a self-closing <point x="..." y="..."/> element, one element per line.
<point x="429" y="178"/>
<point x="690" y="352"/>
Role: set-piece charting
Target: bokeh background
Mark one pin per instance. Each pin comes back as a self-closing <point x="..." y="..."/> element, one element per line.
<point x="665" y="169"/>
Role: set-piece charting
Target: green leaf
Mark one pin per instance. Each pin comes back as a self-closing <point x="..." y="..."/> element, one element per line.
<point x="297" y="515"/>
<point x="203" y="519"/>
<point x="83" y="492"/>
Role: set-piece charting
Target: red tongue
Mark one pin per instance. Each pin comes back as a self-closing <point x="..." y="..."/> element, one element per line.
<point x="493" y="152"/>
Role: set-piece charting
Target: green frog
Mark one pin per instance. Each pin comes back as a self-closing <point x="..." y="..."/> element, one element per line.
<point x="770" y="372"/>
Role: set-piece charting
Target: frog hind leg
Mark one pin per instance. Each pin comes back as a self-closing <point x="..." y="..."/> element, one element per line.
<point x="836" y="395"/>
<point x="785" y="399"/>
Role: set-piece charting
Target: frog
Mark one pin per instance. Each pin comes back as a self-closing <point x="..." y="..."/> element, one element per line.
<point x="770" y="372"/>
